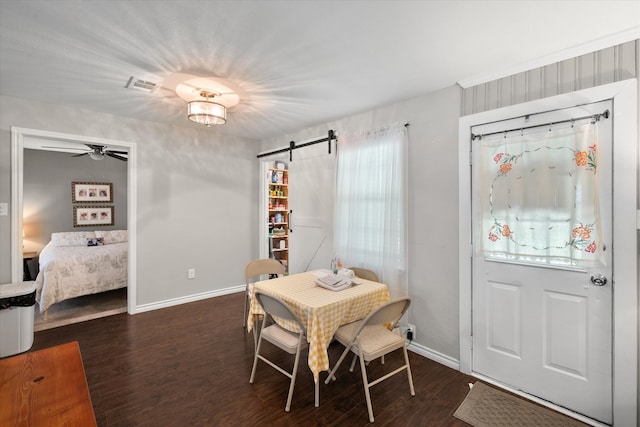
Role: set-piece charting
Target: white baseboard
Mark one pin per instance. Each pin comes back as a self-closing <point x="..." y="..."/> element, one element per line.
<point x="186" y="299"/>
<point x="436" y="356"/>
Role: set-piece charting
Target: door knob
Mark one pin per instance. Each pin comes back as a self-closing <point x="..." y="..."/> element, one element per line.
<point x="598" y="280"/>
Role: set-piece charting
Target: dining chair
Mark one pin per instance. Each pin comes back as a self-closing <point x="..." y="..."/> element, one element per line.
<point x="370" y="339"/>
<point x="252" y="270"/>
<point x="292" y="343"/>
<point x="364" y="273"/>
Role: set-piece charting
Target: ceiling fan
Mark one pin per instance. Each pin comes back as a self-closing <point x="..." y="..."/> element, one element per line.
<point x="97" y="152"/>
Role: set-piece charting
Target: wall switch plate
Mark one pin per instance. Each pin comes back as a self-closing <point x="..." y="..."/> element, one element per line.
<point x="191" y="273"/>
<point x="4" y="209"/>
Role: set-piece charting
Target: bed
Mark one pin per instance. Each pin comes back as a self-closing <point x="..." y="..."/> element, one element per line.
<point x="81" y="263"/>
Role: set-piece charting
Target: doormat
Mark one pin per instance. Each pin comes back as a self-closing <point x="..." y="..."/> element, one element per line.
<point x="486" y="406"/>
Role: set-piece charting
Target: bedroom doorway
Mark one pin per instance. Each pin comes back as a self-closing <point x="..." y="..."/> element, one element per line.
<point x="22" y="139"/>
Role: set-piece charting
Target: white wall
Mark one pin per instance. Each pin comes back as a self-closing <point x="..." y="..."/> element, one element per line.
<point x="197" y="193"/>
<point x="433" y="209"/>
<point x="5" y="221"/>
<point x="197" y="201"/>
<point x="47" y="202"/>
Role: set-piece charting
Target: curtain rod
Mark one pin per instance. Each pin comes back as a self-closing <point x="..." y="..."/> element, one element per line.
<point x="292" y="146"/>
<point x="595" y="117"/>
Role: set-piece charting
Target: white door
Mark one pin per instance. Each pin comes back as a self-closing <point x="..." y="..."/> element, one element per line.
<point x="311" y="192"/>
<point x="541" y="209"/>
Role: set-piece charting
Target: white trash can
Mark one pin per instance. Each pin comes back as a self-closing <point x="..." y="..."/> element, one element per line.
<point x="17" y="301"/>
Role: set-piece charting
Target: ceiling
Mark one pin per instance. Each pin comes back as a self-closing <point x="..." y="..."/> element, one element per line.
<point x="293" y="64"/>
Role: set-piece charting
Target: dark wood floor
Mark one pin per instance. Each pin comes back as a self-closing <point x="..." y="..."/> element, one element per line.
<point x="189" y="366"/>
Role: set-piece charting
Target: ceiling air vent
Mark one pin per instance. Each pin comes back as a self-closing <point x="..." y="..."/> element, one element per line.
<point x="141" y="85"/>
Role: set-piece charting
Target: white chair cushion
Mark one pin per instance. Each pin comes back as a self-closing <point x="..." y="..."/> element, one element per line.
<point x="286" y="340"/>
<point x="345" y="333"/>
<point x="374" y="340"/>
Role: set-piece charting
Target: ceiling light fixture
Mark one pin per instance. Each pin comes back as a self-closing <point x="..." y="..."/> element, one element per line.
<point x="206" y="112"/>
<point x="96" y="156"/>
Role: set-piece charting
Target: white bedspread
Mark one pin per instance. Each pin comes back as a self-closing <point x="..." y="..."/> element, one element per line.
<point x="72" y="271"/>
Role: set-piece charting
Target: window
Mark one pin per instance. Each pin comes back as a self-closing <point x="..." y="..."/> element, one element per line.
<point x="370" y="219"/>
<point x="539" y="197"/>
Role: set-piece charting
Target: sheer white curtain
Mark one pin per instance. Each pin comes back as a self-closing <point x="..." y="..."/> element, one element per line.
<point x="371" y="204"/>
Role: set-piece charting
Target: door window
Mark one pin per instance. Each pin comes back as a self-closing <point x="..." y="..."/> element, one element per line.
<point x="539" y="197"/>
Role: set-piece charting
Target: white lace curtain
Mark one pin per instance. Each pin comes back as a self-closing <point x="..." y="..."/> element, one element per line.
<point x="539" y="197"/>
<point x="371" y="204"/>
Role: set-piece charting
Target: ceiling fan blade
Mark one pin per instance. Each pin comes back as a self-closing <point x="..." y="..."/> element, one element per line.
<point x="117" y="152"/>
<point x="80" y="155"/>
<point x="115" y="156"/>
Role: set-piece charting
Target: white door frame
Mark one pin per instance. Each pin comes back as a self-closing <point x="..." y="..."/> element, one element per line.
<point x="625" y="275"/>
<point x="263" y="228"/>
<point x="17" y="172"/>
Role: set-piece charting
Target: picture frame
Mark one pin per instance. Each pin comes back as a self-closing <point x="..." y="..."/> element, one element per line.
<point x="92" y="192"/>
<point x="90" y="216"/>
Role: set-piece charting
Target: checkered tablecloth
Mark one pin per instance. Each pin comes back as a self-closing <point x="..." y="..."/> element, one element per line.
<point x="322" y="311"/>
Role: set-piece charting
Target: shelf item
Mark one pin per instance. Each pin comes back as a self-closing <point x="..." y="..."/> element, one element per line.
<point x="279" y="232"/>
<point x="279" y="175"/>
<point x="278" y="212"/>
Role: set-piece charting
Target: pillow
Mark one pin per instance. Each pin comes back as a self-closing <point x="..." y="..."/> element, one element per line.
<point x="112" y="236"/>
<point x="95" y="241"/>
<point x="71" y="238"/>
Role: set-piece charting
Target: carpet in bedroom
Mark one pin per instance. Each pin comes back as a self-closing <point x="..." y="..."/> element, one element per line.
<point x="81" y="309"/>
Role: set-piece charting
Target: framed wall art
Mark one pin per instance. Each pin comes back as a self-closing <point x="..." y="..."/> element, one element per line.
<point x="92" y="192"/>
<point x="89" y="216"/>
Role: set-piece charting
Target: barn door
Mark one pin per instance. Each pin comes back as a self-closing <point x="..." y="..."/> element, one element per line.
<point x="311" y="194"/>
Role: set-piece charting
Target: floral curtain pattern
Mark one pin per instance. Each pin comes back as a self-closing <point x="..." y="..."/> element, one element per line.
<point x="539" y="197"/>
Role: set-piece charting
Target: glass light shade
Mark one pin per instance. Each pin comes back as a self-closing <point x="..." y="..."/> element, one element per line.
<point x="96" y="156"/>
<point x="207" y="113"/>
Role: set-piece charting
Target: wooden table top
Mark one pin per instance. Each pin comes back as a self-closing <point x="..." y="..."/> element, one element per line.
<point x="45" y="388"/>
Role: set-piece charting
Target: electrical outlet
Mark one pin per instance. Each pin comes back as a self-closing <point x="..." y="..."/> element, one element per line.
<point x="411" y="332"/>
<point x="191" y="273"/>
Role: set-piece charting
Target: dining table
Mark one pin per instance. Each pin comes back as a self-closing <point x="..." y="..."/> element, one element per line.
<point x="321" y="310"/>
